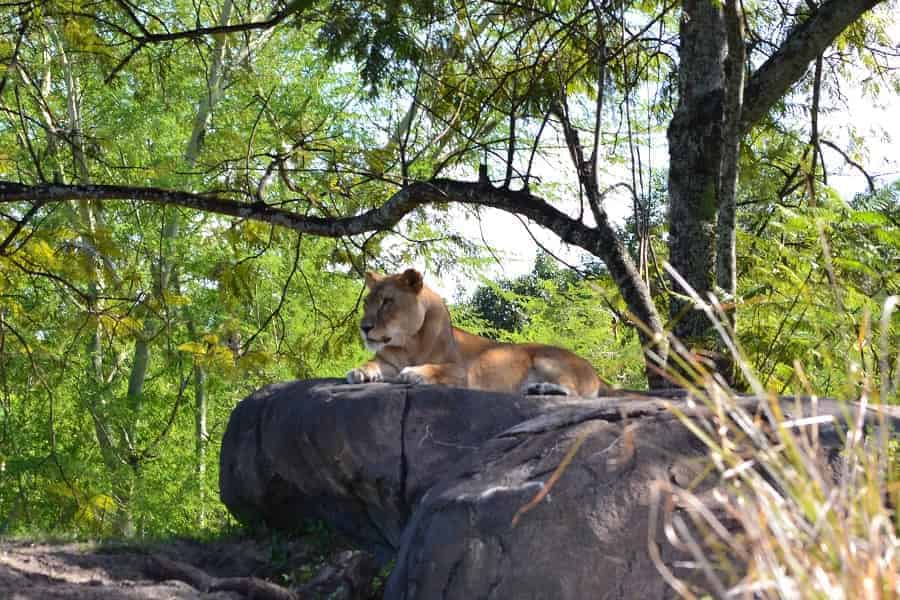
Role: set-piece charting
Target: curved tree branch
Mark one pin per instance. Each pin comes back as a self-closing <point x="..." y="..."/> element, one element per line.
<point x="20" y="224"/>
<point x="869" y="179"/>
<point x="773" y="79"/>
<point x="602" y="240"/>
<point x="147" y="37"/>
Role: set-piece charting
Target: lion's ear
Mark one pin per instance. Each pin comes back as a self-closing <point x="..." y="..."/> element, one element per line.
<point x="413" y="279"/>
<point x="372" y="279"/>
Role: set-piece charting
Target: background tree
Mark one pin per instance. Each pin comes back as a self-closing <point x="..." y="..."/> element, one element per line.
<point x="164" y="303"/>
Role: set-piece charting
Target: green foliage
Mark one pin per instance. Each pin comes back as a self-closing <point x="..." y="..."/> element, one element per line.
<point x="809" y="279"/>
<point x="502" y="304"/>
<point x="210" y="307"/>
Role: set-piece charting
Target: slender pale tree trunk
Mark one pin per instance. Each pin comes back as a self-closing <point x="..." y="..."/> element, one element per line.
<point x="80" y="220"/>
<point x="114" y="441"/>
<point x="214" y="91"/>
<point x="214" y="88"/>
<point x="201" y="436"/>
<point x="726" y="225"/>
<point x="735" y="69"/>
<point x="164" y="273"/>
<point x="201" y="433"/>
<point x="172" y="225"/>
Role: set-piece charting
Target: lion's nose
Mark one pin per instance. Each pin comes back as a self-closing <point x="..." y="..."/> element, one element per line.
<point x="366" y="329"/>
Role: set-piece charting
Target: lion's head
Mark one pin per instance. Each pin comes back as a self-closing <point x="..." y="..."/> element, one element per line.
<point x="393" y="311"/>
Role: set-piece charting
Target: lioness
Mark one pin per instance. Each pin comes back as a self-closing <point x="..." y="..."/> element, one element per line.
<point x="408" y="327"/>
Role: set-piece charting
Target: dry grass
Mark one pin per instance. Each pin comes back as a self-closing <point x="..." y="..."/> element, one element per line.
<point x="782" y="523"/>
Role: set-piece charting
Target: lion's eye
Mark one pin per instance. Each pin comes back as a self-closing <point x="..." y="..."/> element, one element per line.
<point x="387" y="301"/>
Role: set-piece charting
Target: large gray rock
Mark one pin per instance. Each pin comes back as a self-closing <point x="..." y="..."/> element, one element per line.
<point x="433" y="477"/>
<point x="357" y="456"/>
<point x="586" y="539"/>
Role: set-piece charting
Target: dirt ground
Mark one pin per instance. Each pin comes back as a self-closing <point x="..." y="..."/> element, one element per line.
<point x="178" y="570"/>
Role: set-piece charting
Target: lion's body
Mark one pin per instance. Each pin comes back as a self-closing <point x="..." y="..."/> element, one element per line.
<point x="408" y="326"/>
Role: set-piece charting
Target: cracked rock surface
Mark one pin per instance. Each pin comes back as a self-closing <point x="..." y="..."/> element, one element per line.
<point x="433" y="477"/>
<point x="357" y="456"/>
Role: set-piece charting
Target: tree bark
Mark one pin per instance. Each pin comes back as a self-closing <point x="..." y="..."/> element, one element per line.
<point x="726" y="226"/>
<point x="215" y="85"/>
<point x="171" y="226"/>
<point x="201" y="436"/>
<point x="703" y="138"/>
<point x="735" y="65"/>
<point x="695" y="156"/>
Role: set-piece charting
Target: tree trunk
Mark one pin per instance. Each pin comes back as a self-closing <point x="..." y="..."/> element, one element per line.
<point x="705" y="133"/>
<point x="169" y="232"/>
<point x="735" y="65"/>
<point x="726" y="226"/>
<point x="201" y="437"/>
<point x="695" y="157"/>
<point x="112" y="448"/>
<point x="215" y="86"/>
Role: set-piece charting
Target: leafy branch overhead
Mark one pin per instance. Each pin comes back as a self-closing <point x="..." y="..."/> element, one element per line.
<point x="406" y="45"/>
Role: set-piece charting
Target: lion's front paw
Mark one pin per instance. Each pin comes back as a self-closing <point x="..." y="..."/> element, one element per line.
<point x="412" y="375"/>
<point x="365" y="373"/>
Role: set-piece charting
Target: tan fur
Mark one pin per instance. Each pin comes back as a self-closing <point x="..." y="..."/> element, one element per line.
<point x="408" y="327"/>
